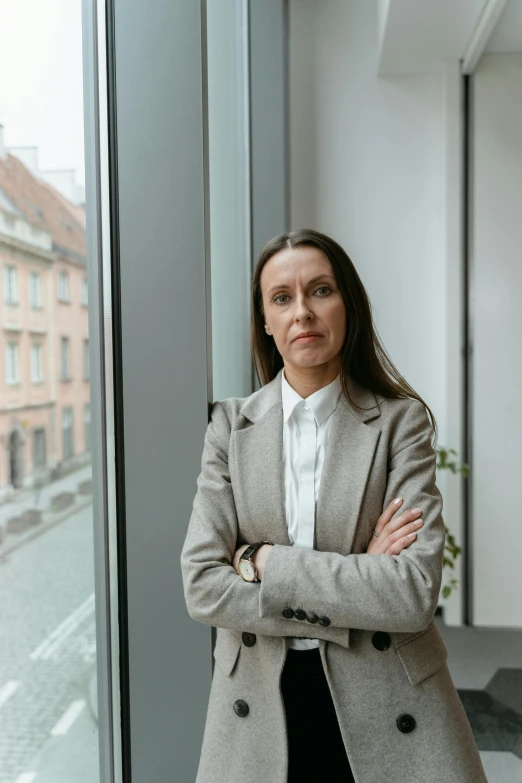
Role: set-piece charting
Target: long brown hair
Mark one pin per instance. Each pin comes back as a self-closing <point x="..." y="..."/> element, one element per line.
<point x="363" y="356"/>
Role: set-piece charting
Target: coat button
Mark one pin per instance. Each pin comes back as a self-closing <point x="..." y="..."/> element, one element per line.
<point x="300" y="614"/>
<point x="405" y="723"/>
<point x="324" y="620"/>
<point x="241" y="708"/>
<point x="249" y="639"/>
<point x="381" y="640"/>
<point x="312" y="617"/>
<point x="288" y="613"/>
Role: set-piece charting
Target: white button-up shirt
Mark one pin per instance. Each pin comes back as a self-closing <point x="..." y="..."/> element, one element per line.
<point x="305" y="435"/>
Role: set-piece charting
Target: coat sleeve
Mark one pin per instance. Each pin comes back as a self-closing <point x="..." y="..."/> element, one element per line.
<point x="214" y="592"/>
<point x="374" y="592"/>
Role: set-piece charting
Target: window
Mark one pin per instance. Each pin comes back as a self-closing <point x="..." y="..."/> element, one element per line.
<point x="35" y="296"/>
<point x="86" y="359"/>
<point x="65" y="359"/>
<point x="39" y="458"/>
<point x="85" y="292"/>
<point x="10" y="287"/>
<point x="67" y="433"/>
<point x="36" y="363"/>
<point x="63" y="286"/>
<point x="12" y="363"/>
<point x="87" y="425"/>
<point x="48" y="677"/>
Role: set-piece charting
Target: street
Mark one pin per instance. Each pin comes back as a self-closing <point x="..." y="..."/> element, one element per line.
<point x="47" y="657"/>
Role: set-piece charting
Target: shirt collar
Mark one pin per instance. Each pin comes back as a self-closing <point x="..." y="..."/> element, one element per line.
<point x="322" y="402"/>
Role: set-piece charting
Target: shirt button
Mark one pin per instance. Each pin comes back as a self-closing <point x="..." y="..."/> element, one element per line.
<point x="307" y="407"/>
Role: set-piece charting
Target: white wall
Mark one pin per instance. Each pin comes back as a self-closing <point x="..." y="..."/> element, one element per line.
<point x="368" y="167"/>
<point x="496" y="330"/>
<point x="376" y="163"/>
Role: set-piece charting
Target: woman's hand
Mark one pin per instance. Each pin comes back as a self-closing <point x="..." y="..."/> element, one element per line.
<point x="395" y="534"/>
<point x="259" y="557"/>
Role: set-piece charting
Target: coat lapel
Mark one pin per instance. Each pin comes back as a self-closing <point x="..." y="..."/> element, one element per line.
<point x="347" y="465"/>
<point x="261" y="446"/>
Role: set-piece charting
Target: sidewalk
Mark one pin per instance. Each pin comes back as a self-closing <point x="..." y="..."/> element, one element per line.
<point x="41" y="499"/>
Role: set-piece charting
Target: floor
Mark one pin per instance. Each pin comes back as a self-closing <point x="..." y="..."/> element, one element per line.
<point x="486" y="666"/>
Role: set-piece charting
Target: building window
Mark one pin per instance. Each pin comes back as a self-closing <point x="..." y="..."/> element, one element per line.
<point x="85" y="292"/>
<point x="35" y="294"/>
<point x="86" y="359"/>
<point x="65" y="359"/>
<point x="63" y="286"/>
<point x="12" y="363"/>
<point x="39" y="456"/>
<point x="10" y="287"/>
<point x="87" y="425"/>
<point x="67" y="433"/>
<point x="36" y="363"/>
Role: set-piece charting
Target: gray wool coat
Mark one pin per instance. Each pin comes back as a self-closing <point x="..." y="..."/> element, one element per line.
<point x="382" y="653"/>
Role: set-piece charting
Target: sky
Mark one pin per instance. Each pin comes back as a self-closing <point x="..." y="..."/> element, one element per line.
<point x="41" y="80"/>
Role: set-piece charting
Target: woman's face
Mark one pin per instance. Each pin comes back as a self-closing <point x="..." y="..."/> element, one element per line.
<point x="300" y="294"/>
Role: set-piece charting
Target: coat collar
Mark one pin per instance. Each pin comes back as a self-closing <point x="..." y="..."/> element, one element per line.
<point x="347" y="465"/>
<point x="261" y="401"/>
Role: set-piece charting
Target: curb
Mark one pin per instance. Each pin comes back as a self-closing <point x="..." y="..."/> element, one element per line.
<point x="43" y="527"/>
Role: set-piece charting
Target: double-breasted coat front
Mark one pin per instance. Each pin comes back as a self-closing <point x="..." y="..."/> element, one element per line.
<point x="400" y="716"/>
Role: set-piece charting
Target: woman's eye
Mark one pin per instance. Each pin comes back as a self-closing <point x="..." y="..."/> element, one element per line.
<point x="322" y="288"/>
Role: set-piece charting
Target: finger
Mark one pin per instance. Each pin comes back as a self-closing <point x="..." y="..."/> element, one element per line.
<point x="387" y="514"/>
<point x="402" y="543"/>
<point x="390" y="538"/>
<point x="401" y="520"/>
<point x="378" y="545"/>
<point x="411" y="527"/>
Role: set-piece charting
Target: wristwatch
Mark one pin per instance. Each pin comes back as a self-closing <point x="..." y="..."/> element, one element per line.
<point x="246" y="567"/>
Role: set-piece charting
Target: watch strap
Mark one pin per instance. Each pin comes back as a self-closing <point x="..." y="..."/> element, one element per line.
<point x="249" y="551"/>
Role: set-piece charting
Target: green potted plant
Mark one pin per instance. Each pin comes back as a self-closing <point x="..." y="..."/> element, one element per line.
<point x="446" y="461"/>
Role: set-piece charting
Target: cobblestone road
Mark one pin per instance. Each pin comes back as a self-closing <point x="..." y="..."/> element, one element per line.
<point x="47" y="648"/>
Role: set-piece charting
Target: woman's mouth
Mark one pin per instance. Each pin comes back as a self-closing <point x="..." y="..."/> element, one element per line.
<point x="308" y="339"/>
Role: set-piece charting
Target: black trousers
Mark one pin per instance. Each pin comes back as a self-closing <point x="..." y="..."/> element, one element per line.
<point x="315" y="746"/>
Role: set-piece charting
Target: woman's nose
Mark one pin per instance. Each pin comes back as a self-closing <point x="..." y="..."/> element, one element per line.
<point x="302" y="311"/>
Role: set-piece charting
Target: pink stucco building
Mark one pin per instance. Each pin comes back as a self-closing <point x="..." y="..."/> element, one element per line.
<point x="44" y="339"/>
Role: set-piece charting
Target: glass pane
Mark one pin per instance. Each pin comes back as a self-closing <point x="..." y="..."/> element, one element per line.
<point x="48" y="683"/>
<point x="229" y="195"/>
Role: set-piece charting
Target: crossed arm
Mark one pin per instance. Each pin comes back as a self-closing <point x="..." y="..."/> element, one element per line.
<point x="393" y="533"/>
<point x="392" y="592"/>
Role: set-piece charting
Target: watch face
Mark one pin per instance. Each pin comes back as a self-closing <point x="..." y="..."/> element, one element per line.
<point x="247" y="570"/>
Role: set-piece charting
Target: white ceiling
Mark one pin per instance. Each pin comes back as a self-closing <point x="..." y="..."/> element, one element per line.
<point x="419" y="36"/>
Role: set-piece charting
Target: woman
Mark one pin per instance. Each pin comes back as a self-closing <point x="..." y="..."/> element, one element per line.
<point x="328" y="662"/>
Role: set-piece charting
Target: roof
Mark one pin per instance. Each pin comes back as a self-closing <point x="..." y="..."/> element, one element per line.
<point x="23" y="194"/>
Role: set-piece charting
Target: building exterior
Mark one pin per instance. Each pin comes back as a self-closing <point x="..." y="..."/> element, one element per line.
<point x="44" y="339"/>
